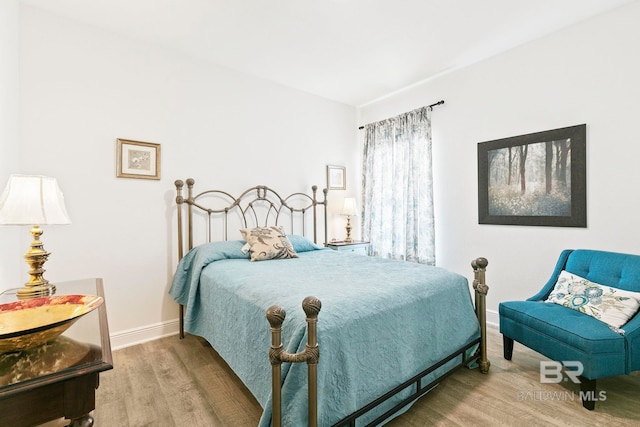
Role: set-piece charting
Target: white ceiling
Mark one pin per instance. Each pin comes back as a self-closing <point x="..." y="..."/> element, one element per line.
<point x="351" y="51"/>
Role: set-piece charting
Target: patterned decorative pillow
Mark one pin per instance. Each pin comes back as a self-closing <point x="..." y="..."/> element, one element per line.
<point x="268" y="243"/>
<point x="611" y="305"/>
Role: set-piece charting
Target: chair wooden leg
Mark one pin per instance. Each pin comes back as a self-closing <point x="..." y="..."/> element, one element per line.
<point x="588" y="393"/>
<point x="507" y="345"/>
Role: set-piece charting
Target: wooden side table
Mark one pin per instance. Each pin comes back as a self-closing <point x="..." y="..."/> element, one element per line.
<point x="358" y="247"/>
<point x="57" y="379"/>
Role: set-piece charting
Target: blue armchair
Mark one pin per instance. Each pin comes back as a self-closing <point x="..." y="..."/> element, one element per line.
<point x="565" y="334"/>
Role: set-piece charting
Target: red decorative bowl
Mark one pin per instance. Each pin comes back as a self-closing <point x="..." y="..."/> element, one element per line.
<point x="25" y="324"/>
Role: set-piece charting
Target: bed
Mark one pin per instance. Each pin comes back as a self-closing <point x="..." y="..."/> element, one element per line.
<point x="388" y="331"/>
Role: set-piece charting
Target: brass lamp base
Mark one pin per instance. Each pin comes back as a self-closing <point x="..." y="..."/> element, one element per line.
<point x="36" y="291"/>
<point x="348" y="239"/>
<point x="37" y="286"/>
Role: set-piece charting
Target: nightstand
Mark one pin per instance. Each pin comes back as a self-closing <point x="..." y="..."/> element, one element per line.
<point x="358" y="247"/>
<point x="57" y="379"/>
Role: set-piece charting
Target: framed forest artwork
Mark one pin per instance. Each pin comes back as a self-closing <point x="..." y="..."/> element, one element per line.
<point x="536" y="179"/>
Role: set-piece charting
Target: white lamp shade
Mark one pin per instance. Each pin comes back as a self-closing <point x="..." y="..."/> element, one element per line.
<point x="349" y="208"/>
<point x="32" y="200"/>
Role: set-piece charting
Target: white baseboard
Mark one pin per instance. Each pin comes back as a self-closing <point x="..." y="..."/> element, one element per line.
<point x="146" y="333"/>
<point x="493" y="319"/>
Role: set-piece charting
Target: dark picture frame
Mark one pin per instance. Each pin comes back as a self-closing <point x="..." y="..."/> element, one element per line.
<point x="537" y="179"/>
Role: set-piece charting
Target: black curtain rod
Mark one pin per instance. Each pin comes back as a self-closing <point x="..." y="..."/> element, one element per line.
<point x="430" y="106"/>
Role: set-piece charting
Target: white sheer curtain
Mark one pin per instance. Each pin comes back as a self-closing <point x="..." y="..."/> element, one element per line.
<point x="397" y="183"/>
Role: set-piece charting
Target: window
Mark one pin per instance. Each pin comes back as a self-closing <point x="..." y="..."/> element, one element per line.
<point x="398" y="188"/>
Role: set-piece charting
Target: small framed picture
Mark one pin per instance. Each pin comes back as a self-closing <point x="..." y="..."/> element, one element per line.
<point x="136" y="159"/>
<point x="336" y="178"/>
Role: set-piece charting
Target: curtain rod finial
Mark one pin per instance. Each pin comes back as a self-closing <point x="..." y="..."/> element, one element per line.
<point x="436" y="103"/>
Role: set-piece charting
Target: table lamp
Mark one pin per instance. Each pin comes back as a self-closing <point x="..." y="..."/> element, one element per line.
<point x="349" y="209"/>
<point x="33" y="200"/>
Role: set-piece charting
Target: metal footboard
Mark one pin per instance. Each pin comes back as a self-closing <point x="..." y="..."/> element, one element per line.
<point x="311" y="355"/>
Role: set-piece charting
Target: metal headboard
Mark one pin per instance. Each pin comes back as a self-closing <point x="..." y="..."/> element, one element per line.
<point x="259" y="206"/>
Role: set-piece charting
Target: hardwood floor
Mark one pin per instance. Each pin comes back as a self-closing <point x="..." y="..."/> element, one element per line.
<point x="173" y="382"/>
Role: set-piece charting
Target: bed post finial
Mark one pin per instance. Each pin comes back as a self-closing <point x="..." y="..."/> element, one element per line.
<point x="276" y="316"/>
<point x="179" y="184"/>
<point x="479" y="285"/>
<point x="479" y="263"/>
<point x="311" y="306"/>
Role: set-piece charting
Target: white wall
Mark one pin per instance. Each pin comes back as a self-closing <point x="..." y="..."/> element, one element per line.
<point x="81" y="88"/>
<point x="587" y="73"/>
<point x="10" y="250"/>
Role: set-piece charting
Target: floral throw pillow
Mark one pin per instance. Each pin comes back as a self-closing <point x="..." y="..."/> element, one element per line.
<point x="611" y="305"/>
<point x="268" y="243"/>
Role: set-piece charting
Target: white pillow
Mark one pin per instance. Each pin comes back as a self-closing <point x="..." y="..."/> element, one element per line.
<point x="610" y="305"/>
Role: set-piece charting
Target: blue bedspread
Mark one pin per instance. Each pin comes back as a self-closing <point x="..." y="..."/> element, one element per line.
<point x="381" y="321"/>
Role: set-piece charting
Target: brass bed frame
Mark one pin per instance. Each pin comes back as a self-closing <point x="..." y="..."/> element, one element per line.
<point x="262" y="206"/>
